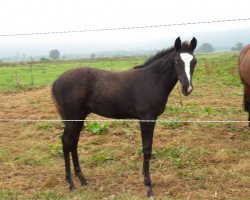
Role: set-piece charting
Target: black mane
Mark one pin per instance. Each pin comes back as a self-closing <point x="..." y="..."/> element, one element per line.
<point x="157" y="56"/>
<point x="161" y="54"/>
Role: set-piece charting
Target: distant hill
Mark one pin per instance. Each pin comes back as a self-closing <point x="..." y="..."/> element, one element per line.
<point x="225" y="40"/>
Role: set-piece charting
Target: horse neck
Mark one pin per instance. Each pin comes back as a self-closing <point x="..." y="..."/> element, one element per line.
<point x="165" y="74"/>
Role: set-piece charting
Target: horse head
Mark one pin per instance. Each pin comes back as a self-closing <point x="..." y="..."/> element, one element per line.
<point x="184" y="63"/>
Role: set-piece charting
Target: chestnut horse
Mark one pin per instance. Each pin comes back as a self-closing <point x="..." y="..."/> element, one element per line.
<point x="139" y="93"/>
<point x="244" y="72"/>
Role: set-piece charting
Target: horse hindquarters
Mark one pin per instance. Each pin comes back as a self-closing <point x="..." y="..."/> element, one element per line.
<point x="71" y="106"/>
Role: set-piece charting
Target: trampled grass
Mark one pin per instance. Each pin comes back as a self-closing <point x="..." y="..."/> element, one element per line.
<point x="190" y="160"/>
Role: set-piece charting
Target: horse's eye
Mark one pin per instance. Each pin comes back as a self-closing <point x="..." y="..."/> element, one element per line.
<point x="176" y="62"/>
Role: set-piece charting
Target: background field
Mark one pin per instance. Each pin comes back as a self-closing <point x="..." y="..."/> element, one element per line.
<point x="27" y="75"/>
<point x="191" y="160"/>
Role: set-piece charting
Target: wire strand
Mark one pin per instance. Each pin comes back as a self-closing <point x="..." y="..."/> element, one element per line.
<point x="125" y="28"/>
<point x="123" y="120"/>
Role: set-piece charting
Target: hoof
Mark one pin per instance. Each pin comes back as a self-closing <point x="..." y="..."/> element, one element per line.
<point x="150" y="193"/>
<point x="82" y="179"/>
<point x="84" y="182"/>
<point x="72" y="187"/>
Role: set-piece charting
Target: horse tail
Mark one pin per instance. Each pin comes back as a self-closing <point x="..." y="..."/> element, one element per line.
<point x="56" y="100"/>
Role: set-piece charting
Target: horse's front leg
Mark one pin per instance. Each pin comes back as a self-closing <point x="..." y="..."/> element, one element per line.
<point x="147" y="131"/>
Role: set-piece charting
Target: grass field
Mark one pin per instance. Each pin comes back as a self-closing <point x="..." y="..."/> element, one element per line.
<point x="191" y="160"/>
<point x="26" y="75"/>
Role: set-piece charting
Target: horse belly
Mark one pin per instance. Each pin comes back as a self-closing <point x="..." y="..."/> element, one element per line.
<point x="111" y="109"/>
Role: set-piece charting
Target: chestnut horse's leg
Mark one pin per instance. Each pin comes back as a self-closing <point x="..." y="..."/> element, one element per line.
<point x="70" y="135"/>
<point x="249" y="120"/>
<point x="77" y="168"/>
<point x="247" y="101"/>
<point x="147" y="131"/>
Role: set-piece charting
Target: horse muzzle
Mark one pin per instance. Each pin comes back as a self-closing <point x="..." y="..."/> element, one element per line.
<point x="187" y="90"/>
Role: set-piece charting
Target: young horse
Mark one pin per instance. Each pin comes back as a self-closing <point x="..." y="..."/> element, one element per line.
<point x="139" y="93"/>
<point x="244" y="71"/>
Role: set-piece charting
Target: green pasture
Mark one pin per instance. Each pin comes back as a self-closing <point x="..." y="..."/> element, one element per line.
<point x="26" y="75"/>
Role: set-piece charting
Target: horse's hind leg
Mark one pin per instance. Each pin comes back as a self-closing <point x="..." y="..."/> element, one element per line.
<point x="70" y="135"/>
<point x="77" y="168"/>
<point x="67" y="145"/>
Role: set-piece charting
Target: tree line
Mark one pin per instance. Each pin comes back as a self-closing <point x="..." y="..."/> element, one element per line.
<point x="204" y="48"/>
<point x="207" y="47"/>
<point x="54" y="54"/>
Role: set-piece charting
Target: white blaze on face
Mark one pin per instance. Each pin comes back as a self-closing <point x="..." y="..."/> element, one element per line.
<point x="186" y="58"/>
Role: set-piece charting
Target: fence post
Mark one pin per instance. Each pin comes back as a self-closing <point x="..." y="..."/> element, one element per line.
<point x="31" y="74"/>
<point x="111" y="64"/>
<point x="17" y="81"/>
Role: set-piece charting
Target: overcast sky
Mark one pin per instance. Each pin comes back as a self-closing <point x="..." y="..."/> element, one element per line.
<point x="25" y="16"/>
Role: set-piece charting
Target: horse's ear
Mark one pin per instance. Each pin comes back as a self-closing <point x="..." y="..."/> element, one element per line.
<point x="177" y="44"/>
<point x="193" y="43"/>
